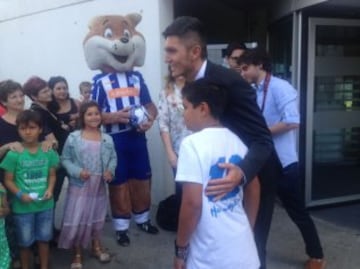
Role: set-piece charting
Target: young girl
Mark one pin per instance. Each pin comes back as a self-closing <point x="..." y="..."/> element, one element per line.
<point x="4" y="248"/>
<point x="90" y="160"/>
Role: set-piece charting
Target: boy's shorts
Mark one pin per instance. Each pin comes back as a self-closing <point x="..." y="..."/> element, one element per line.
<point x="31" y="227"/>
<point x="132" y="157"/>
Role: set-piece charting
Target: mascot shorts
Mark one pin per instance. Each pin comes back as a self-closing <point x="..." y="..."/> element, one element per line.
<point x="133" y="157"/>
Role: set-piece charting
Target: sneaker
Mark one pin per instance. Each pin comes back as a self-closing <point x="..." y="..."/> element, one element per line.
<point x="122" y="238"/>
<point x="148" y="227"/>
<point x="315" y="264"/>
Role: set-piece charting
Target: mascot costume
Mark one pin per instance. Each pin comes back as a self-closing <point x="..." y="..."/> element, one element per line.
<point x="114" y="47"/>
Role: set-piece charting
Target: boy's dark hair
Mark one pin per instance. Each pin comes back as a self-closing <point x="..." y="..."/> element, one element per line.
<point x="234" y="46"/>
<point x="33" y="85"/>
<point x="256" y="56"/>
<point x="188" y="28"/>
<point x="202" y="90"/>
<point x="84" y="84"/>
<point x="82" y="110"/>
<point x="7" y="87"/>
<point x="27" y="116"/>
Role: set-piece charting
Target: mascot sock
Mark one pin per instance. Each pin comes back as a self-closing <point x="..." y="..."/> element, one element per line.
<point x="121" y="224"/>
<point x="143" y="222"/>
<point x="141" y="217"/>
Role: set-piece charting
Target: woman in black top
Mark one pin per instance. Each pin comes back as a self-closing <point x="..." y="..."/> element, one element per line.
<point x="65" y="108"/>
<point x="12" y="99"/>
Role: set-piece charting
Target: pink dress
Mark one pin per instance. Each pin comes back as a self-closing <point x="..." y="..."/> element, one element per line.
<point x="85" y="207"/>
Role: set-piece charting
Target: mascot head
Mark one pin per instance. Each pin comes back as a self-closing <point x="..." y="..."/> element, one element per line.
<point x="113" y="44"/>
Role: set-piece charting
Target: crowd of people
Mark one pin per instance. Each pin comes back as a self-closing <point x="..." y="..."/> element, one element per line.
<point x="229" y="136"/>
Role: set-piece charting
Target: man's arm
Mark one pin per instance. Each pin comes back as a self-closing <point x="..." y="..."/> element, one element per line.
<point x="282" y="127"/>
<point x="152" y="111"/>
<point x="121" y="116"/>
<point x="244" y="118"/>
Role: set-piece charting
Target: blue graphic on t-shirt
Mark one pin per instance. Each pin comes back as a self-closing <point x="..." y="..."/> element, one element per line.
<point x="217" y="172"/>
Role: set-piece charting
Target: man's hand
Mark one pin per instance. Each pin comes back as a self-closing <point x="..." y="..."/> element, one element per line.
<point x="123" y="116"/>
<point x="220" y="187"/>
<point x="143" y="127"/>
<point x="179" y="263"/>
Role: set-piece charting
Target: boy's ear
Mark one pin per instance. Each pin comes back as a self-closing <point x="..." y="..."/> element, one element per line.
<point x="204" y="108"/>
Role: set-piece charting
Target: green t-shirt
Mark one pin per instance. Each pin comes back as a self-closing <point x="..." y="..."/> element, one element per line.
<point x="31" y="172"/>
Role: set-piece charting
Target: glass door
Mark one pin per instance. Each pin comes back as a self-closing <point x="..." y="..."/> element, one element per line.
<point x="333" y="112"/>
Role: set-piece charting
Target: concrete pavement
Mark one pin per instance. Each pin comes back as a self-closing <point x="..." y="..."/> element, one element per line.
<point x="341" y="244"/>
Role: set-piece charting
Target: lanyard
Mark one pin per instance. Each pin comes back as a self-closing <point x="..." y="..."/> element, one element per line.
<point x="265" y="89"/>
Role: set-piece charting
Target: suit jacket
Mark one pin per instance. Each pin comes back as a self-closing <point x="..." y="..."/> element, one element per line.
<point x="244" y="118"/>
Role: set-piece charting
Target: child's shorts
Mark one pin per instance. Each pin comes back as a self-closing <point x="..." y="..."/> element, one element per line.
<point x="31" y="227"/>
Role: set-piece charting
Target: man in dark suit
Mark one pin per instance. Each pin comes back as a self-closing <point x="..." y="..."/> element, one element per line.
<point x="185" y="52"/>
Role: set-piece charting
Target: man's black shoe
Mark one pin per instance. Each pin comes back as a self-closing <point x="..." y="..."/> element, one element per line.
<point x="122" y="238"/>
<point x="148" y="227"/>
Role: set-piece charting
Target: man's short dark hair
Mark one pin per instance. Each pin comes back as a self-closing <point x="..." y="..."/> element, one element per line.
<point x="27" y="116"/>
<point x="202" y="90"/>
<point x="188" y="28"/>
<point x="256" y="56"/>
<point x="234" y="46"/>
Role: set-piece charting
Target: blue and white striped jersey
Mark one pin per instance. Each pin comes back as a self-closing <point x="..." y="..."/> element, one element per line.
<point x="116" y="91"/>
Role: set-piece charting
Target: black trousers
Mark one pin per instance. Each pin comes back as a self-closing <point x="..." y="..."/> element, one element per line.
<point x="291" y="195"/>
<point x="268" y="177"/>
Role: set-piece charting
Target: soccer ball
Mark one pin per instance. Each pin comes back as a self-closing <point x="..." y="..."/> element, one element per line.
<point x="138" y="116"/>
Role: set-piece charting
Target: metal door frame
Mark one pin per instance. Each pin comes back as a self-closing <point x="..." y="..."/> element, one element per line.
<point x="313" y="22"/>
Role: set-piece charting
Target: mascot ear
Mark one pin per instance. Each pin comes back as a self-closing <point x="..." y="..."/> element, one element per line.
<point x="134" y="18"/>
<point x="95" y="21"/>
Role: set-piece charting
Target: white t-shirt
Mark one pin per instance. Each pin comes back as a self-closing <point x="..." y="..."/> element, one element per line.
<point x="223" y="237"/>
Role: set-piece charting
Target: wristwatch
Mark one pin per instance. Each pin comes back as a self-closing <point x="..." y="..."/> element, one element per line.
<point x="181" y="252"/>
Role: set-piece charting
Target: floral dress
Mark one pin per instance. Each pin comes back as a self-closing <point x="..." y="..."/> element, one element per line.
<point x="171" y="117"/>
<point x="4" y="247"/>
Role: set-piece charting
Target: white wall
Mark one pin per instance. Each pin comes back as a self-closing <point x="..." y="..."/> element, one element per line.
<point x="45" y="38"/>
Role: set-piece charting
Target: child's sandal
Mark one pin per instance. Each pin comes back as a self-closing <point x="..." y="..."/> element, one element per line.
<point x="77" y="264"/>
<point x="101" y="255"/>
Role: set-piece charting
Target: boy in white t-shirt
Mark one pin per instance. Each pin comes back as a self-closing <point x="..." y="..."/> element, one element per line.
<point x="211" y="234"/>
